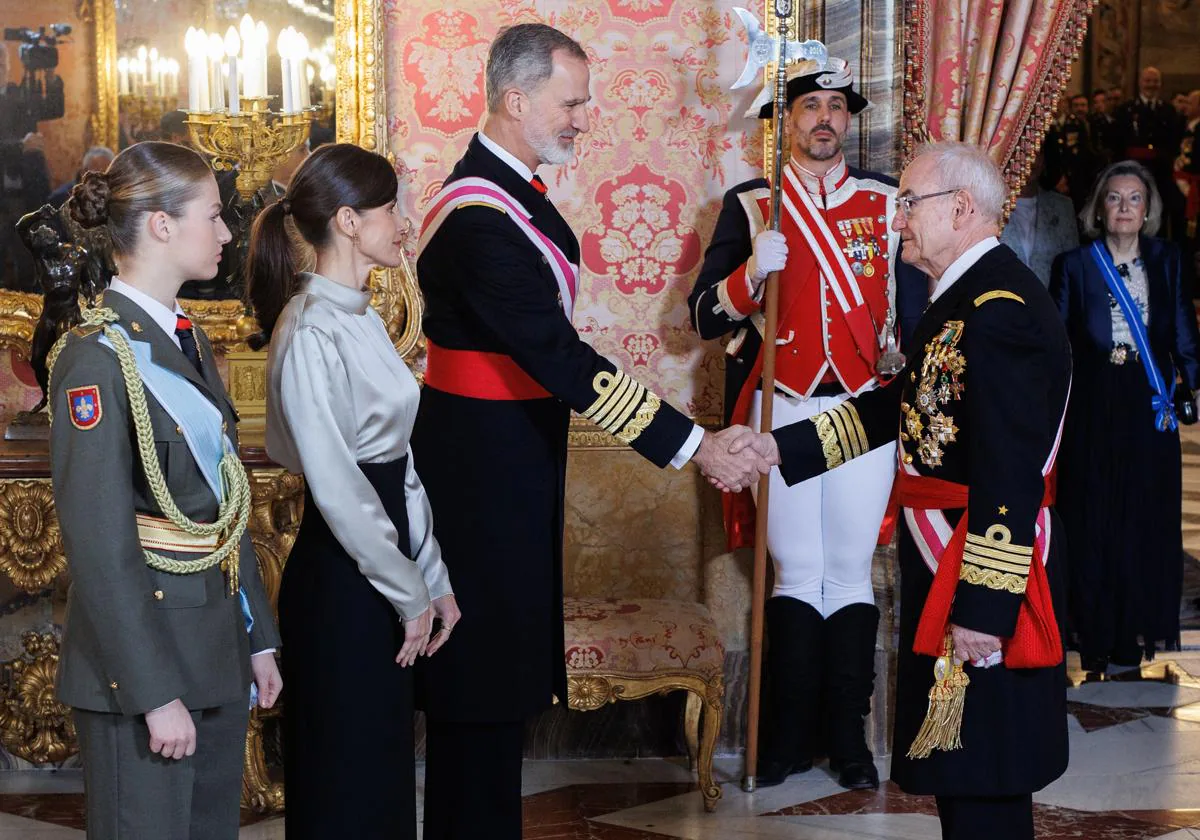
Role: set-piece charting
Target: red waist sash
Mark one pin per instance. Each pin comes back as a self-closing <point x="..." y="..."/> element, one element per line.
<point x="1036" y="642"/>
<point x="479" y="375"/>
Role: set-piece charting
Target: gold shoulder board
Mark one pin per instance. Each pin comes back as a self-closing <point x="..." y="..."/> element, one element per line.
<point x="84" y="331"/>
<point x="482" y="204"/>
<point x="997" y="294"/>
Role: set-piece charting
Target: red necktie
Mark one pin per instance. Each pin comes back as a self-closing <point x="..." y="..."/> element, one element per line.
<point x="538" y="184"/>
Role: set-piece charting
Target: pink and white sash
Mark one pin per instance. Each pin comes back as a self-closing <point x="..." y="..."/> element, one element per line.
<point x="483" y="191"/>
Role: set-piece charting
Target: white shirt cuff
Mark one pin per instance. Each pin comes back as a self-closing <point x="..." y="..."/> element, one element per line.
<point x="688" y="449"/>
<point x="264" y="650"/>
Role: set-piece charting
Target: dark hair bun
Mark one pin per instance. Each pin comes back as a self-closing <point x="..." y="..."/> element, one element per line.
<point x="89" y="200"/>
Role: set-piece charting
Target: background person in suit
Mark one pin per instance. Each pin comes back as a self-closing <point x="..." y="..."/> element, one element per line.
<point x="1120" y="478"/>
<point x="156" y="658"/>
<point x="1041" y="225"/>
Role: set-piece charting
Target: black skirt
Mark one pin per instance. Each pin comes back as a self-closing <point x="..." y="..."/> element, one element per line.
<point x="1120" y="498"/>
<point x="347" y="706"/>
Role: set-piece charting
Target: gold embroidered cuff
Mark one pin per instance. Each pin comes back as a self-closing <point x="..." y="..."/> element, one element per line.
<point x="992" y="579"/>
<point x="624" y="407"/>
<point x="829" y="440"/>
<point x="852" y="437"/>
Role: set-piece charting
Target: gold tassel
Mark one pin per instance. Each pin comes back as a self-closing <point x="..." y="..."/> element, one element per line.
<point x="230" y="564"/>
<point x="942" y="729"/>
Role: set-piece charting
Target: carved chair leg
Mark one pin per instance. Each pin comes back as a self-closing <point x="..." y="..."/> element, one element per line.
<point x="259" y="793"/>
<point x="714" y="706"/>
<point x="691" y="727"/>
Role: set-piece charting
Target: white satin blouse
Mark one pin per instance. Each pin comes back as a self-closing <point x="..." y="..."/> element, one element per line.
<point x="339" y="395"/>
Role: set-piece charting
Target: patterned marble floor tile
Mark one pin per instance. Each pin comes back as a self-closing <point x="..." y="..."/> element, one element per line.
<point x="566" y="813"/>
<point x="66" y="809"/>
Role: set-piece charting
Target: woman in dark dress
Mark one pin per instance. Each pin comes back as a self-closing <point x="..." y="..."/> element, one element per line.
<point x="365" y="577"/>
<point x="1127" y="303"/>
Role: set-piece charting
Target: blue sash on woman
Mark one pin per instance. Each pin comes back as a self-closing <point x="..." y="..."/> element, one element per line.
<point x="1163" y="400"/>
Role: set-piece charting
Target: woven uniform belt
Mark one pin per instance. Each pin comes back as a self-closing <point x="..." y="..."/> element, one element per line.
<point x="157" y="534"/>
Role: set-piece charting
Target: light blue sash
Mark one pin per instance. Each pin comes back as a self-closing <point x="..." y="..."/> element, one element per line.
<point x="198" y="420"/>
<point x="1163" y="400"/>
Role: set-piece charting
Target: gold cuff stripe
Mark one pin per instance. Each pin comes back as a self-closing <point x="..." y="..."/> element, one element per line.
<point x="998" y="294"/>
<point x="829" y="443"/>
<point x="852" y="420"/>
<point x="619" y="396"/>
<point x="481" y="204"/>
<point x="970" y="556"/>
<point x="991" y="579"/>
<point x="999" y="553"/>
<point x="645" y="416"/>
<point x="612" y="389"/>
<point x="621" y="405"/>
<point x="1003" y="548"/>
<point x="844" y="436"/>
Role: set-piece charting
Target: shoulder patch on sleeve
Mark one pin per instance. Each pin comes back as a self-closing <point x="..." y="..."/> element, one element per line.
<point x="84" y="404"/>
<point x="997" y="294"/>
<point x="482" y="204"/>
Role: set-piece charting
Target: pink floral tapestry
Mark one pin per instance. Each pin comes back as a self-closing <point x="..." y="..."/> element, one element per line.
<point x="667" y="141"/>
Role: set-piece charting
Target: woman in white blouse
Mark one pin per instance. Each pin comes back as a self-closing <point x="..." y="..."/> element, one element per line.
<point x="365" y="578"/>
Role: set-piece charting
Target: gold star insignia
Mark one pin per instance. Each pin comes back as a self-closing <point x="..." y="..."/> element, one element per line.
<point x="136" y="326"/>
<point x="1003" y="510"/>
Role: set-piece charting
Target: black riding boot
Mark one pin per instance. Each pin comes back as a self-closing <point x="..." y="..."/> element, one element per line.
<point x="849" y="683"/>
<point x="792" y="699"/>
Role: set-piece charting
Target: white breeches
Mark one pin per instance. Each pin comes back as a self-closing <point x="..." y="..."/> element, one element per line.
<point x="822" y="532"/>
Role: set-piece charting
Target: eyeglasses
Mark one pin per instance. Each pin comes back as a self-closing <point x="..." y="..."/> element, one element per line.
<point x="907" y="203"/>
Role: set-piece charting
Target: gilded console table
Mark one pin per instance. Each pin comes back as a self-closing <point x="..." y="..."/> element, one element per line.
<point x="33" y="724"/>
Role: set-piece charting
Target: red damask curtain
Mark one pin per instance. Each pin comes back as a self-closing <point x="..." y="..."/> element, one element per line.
<point x="989" y="72"/>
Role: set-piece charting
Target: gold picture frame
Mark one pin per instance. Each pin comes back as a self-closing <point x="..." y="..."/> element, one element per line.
<point x="361" y="96"/>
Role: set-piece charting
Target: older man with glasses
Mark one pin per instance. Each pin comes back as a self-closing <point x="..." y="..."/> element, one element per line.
<point x="980" y="704"/>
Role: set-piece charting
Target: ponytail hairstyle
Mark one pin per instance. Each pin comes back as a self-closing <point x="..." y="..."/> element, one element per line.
<point x="145" y="178"/>
<point x="334" y="176"/>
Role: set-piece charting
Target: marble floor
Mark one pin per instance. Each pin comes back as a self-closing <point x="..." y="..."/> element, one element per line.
<point x="1134" y="771"/>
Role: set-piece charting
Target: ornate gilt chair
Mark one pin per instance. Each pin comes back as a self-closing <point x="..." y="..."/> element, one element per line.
<point x="626" y="649"/>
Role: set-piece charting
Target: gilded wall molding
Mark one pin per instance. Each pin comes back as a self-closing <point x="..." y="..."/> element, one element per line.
<point x="103" y="17"/>
<point x="31" y="548"/>
<point x="33" y="724"/>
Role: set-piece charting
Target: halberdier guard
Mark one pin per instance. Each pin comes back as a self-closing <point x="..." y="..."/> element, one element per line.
<point x="499" y="268"/>
<point x="840" y="290"/>
<point x="980" y="707"/>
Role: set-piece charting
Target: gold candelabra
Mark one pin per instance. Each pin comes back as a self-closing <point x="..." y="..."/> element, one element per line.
<point x="145" y="112"/>
<point x="254" y="141"/>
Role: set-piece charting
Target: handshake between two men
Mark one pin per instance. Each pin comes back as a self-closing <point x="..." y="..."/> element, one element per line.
<point x="734" y="458"/>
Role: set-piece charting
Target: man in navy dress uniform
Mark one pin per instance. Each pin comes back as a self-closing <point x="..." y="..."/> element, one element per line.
<point x="499" y="268"/>
<point x="981" y="718"/>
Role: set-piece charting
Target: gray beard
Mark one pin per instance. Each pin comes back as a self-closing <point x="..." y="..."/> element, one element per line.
<point x="548" y="149"/>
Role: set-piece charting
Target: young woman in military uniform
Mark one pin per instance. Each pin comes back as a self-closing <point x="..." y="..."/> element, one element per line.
<point x="166" y="605"/>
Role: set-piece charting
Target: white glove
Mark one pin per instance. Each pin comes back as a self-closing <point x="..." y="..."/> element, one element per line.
<point x="770" y="254"/>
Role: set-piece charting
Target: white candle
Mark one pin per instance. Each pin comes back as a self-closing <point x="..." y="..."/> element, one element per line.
<point x="284" y="46"/>
<point x="123" y="75"/>
<point x="216" y="87"/>
<point x="249" y="56"/>
<point x="296" y="42"/>
<point x="233" y="46"/>
<point x="306" y="91"/>
<point x="262" y="40"/>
